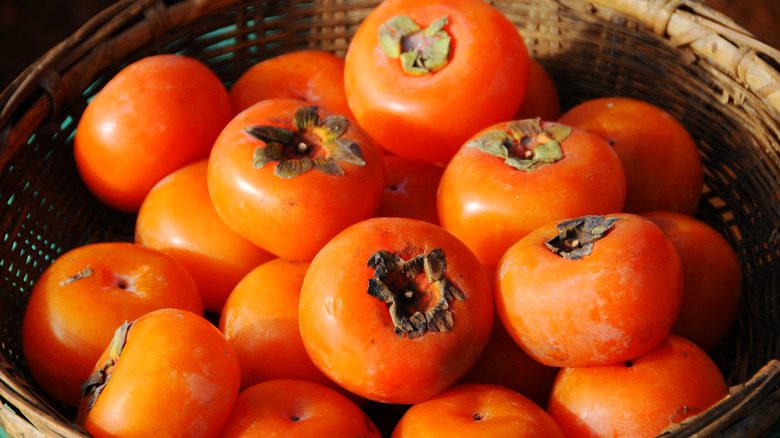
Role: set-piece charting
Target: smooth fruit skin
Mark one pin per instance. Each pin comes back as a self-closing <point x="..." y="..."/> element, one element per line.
<point x="68" y="323"/>
<point x="428" y="117"/>
<point x="291" y="218"/>
<point x="296" y="408"/>
<point x="541" y="95"/>
<point x="260" y="320"/>
<point x="410" y="189"/>
<point x="712" y="278"/>
<point x="610" y="306"/>
<point x="640" y="398"/>
<point x="477" y="409"/>
<point x="490" y="205"/>
<point x="154" y="116"/>
<point x="177" y="217"/>
<point x="314" y="76"/>
<point x="660" y="157"/>
<point x="177" y="376"/>
<point x="349" y="334"/>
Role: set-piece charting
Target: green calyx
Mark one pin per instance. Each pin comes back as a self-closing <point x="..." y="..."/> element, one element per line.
<point x="312" y="144"/>
<point x="524" y="145"/>
<point x="421" y="51"/>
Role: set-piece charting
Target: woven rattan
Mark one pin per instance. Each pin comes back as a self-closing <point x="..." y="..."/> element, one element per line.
<point x="715" y="77"/>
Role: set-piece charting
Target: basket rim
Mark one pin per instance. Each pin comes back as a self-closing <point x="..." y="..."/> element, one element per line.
<point x="709" y="34"/>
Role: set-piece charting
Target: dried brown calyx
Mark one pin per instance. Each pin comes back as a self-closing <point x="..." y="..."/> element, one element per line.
<point x="93" y="386"/>
<point x="524" y="144"/>
<point x="576" y="236"/>
<point x="312" y="144"/>
<point x="421" y="51"/>
<point x="416" y="291"/>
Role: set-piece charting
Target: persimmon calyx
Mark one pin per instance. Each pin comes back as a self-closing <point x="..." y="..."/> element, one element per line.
<point x="421" y="51"/>
<point x="311" y="144"/>
<point x="416" y="291"/>
<point x="93" y="386"/>
<point x="577" y="236"/>
<point x="524" y="145"/>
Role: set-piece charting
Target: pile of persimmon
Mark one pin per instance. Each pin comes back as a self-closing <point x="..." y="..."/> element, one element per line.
<point x="417" y="225"/>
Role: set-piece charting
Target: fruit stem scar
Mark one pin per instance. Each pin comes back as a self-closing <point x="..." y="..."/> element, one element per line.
<point x="577" y="236"/>
<point x="86" y="272"/>
<point x="416" y="291"/>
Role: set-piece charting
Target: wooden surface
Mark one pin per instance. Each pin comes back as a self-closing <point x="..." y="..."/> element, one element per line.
<point x="30" y="27"/>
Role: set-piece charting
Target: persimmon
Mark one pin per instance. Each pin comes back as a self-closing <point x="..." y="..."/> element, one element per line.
<point x="296" y="408"/>
<point x="410" y="189"/>
<point x="515" y="176"/>
<point x="168" y="373"/>
<point x="178" y="217"/>
<point x="639" y="397"/>
<point x="477" y="409"/>
<point x="260" y="320"/>
<point x="289" y="176"/>
<point x="712" y="278"/>
<point x="590" y="290"/>
<point x="154" y="116"/>
<point x="661" y="159"/>
<point x="83" y="296"/>
<point x="422" y="77"/>
<point x="541" y="95"/>
<point x="314" y="76"/>
<point x="395" y="310"/>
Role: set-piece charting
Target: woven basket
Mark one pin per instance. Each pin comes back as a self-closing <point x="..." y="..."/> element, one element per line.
<point x="719" y="80"/>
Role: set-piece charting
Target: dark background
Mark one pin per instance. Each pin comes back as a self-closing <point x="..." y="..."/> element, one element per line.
<point x="28" y="28"/>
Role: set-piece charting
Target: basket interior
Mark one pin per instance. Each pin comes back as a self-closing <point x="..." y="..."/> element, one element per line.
<point x="589" y="52"/>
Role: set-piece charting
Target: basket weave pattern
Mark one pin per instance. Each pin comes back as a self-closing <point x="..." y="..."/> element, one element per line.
<point x="716" y="78"/>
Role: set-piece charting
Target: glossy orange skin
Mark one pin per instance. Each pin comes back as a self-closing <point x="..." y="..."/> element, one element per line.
<point x="610" y="306"/>
<point x="661" y="160"/>
<point x="712" y="278"/>
<point x="296" y="408"/>
<point x="151" y="118"/>
<point x="490" y="205"/>
<point x="314" y="76"/>
<point x="541" y="95"/>
<point x="674" y="381"/>
<point x="410" y="189"/>
<point x="177" y="376"/>
<point x="177" y="217"/>
<point x="349" y="333"/>
<point x="477" y="409"/>
<point x="428" y="117"/>
<point x="260" y="320"/>
<point x="290" y="217"/>
<point x="67" y="326"/>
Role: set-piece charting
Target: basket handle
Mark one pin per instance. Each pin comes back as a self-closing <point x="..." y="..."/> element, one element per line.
<point x="711" y="35"/>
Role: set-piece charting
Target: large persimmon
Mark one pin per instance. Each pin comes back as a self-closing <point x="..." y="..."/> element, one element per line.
<point x="422" y="77"/>
<point x="640" y="397"/>
<point x="395" y="310"/>
<point x="289" y="176"/>
<point x="591" y="290"/>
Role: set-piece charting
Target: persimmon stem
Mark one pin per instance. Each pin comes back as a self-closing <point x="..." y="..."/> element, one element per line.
<point x="416" y="291"/>
<point x="576" y="236"/>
